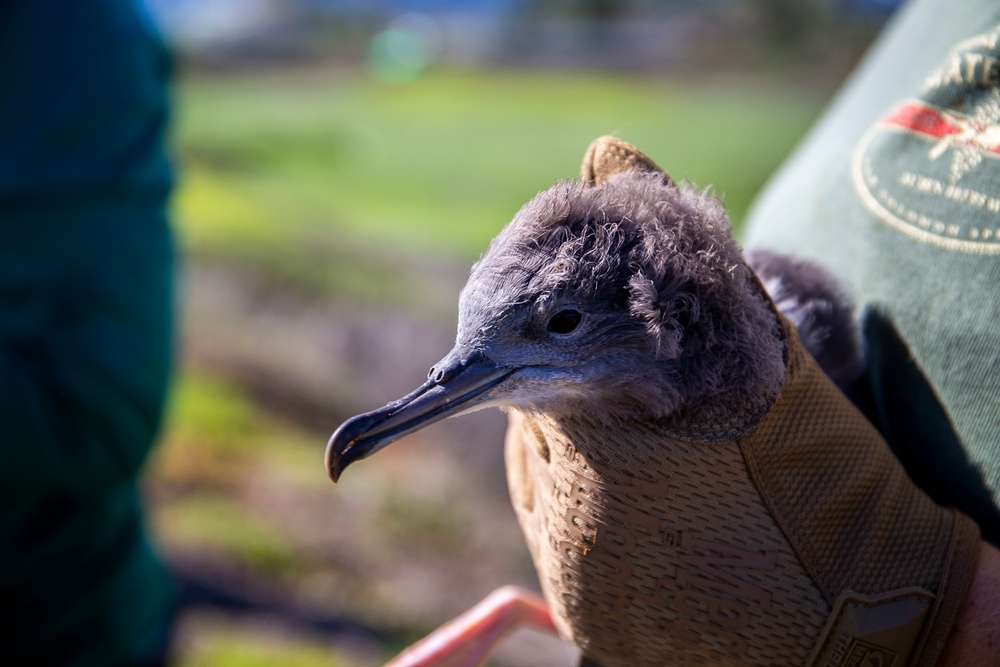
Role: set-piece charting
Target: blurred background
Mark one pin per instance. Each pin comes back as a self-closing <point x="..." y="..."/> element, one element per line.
<point x="342" y="163"/>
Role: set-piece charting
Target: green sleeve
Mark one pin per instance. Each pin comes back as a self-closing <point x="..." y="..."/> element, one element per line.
<point x="85" y="252"/>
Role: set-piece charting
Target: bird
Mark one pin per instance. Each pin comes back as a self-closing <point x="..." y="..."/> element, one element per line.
<point x="691" y="485"/>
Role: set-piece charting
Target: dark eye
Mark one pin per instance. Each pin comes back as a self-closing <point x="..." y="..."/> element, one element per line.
<point x="565" y="321"/>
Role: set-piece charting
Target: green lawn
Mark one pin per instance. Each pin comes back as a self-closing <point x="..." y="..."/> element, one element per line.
<point x="314" y="176"/>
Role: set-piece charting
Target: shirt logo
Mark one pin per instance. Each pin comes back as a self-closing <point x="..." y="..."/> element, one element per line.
<point x="930" y="168"/>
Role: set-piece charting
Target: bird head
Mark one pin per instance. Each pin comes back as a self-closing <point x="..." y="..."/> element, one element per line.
<point x="620" y="295"/>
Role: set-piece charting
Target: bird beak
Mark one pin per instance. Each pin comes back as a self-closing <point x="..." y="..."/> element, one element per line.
<point x="456" y="384"/>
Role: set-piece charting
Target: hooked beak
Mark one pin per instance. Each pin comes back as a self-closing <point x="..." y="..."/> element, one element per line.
<point x="454" y="385"/>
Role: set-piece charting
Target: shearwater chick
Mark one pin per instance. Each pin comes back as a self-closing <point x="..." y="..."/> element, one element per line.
<point x="692" y="488"/>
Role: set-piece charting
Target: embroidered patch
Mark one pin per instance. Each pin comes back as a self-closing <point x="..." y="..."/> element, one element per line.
<point x="930" y="168"/>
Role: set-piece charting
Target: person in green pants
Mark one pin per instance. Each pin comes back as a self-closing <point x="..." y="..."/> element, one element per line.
<point x="86" y="273"/>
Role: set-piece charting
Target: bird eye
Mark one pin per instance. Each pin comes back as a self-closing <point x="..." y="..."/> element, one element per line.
<point x="565" y="321"/>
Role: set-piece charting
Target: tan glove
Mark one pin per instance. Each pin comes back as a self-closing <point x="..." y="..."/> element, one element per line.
<point x="801" y="542"/>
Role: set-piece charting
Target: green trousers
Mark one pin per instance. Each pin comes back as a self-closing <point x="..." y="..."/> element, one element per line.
<point x="86" y="261"/>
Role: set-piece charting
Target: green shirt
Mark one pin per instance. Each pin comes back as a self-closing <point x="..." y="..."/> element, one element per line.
<point x="85" y="328"/>
<point x="897" y="191"/>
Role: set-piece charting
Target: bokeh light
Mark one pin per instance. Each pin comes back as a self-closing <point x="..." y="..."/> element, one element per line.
<point x="405" y="49"/>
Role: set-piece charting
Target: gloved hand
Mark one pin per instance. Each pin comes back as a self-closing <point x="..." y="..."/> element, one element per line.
<point x="798" y="542"/>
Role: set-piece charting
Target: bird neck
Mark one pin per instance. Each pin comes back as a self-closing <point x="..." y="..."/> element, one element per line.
<point x="752" y="377"/>
<point x="724" y="417"/>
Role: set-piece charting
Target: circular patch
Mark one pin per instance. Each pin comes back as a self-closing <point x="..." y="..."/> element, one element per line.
<point x="930" y="167"/>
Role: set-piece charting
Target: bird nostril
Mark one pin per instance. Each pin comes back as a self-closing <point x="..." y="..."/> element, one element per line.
<point x="453" y="365"/>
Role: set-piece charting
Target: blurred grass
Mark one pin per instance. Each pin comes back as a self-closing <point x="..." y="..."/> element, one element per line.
<point x="223" y="643"/>
<point x="217" y="438"/>
<point x="319" y="177"/>
<point x="213" y="522"/>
